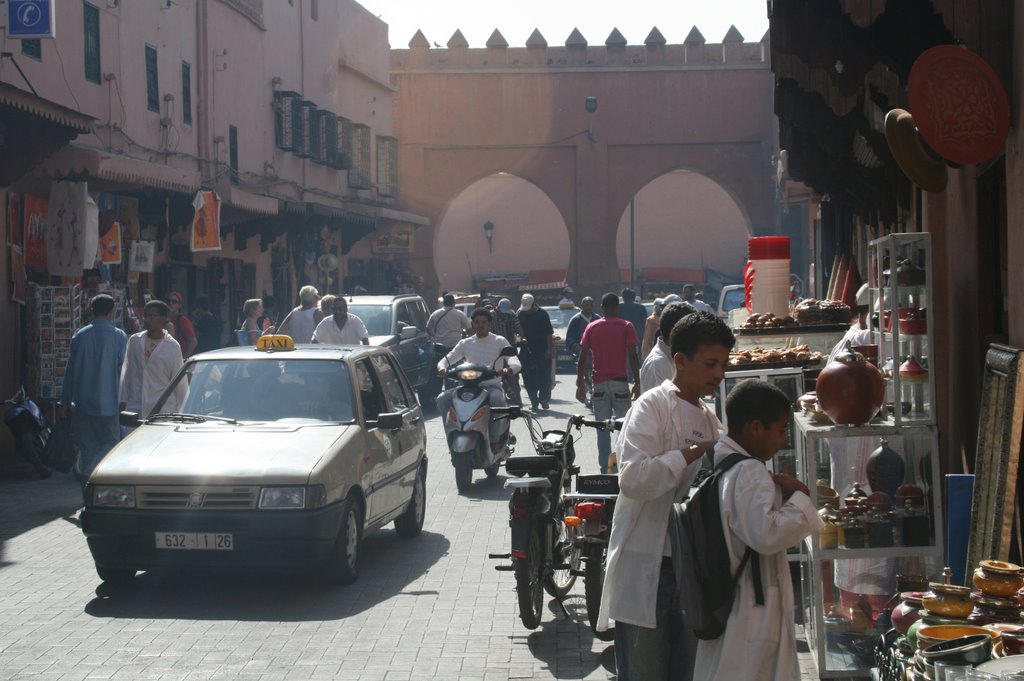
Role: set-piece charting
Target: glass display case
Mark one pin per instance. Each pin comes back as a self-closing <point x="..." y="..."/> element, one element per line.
<point x="877" y="488"/>
<point x="900" y="280"/>
<point x="818" y="339"/>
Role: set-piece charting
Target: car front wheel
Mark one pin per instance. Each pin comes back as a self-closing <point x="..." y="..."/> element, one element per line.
<point x="342" y="565"/>
<point x="410" y="523"/>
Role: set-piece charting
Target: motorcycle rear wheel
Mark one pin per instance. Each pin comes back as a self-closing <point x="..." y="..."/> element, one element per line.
<point x="559" y="582"/>
<point x="529" y="591"/>
<point x="593" y="584"/>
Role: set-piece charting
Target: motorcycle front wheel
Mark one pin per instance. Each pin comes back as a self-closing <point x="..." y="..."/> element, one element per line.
<point x="560" y="581"/>
<point x="530" y="593"/>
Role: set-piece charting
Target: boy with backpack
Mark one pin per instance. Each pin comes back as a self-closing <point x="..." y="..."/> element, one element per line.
<point x="768" y="514"/>
<point x="663" y="438"/>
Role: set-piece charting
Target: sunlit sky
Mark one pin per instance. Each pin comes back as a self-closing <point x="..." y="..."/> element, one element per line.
<point x="516" y="19"/>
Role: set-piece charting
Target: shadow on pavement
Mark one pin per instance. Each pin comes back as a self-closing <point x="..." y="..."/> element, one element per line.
<point x="389" y="564"/>
<point x="487" y="489"/>
<point x="556" y="635"/>
<point x="27" y="502"/>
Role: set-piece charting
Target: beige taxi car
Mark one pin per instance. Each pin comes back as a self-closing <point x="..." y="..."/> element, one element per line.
<point x="281" y="457"/>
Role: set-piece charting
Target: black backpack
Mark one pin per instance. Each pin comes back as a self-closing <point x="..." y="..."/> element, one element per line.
<point x="700" y="556"/>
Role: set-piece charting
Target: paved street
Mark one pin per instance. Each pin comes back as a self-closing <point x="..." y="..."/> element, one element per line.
<point x="428" y="608"/>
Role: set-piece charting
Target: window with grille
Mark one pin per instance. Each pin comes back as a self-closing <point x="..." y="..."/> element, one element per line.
<point x="32" y="47"/>
<point x="152" y="82"/>
<point x="387" y="165"/>
<point x="359" y="173"/>
<point x="309" y="140"/>
<point x="233" y="152"/>
<point x="343" y="145"/>
<point x="91" y="30"/>
<point x="287" y="120"/>
<point x="186" y="93"/>
<point x="327" y="137"/>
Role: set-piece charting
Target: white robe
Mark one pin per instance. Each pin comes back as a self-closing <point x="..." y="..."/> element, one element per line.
<point x="652" y="474"/>
<point x="759" y="643"/>
<point x="144" y="379"/>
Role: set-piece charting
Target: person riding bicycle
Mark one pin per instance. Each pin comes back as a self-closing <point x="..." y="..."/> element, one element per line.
<point x="482" y="348"/>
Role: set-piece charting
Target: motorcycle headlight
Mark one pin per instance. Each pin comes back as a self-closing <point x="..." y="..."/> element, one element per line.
<point x="113" y="496"/>
<point x="469" y="374"/>
<point x="283" y="498"/>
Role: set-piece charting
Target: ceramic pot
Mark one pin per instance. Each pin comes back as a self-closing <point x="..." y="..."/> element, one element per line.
<point x="885" y="469"/>
<point x="1013" y="641"/>
<point x="930" y="634"/>
<point x="998" y="578"/>
<point x="850" y="389"/>
<point x="879" y="530"/>
<point x="948" y="600"/>
<point x="972" y="650"/>
<point x="990" y="610"/>
<point x="908" y="611"/>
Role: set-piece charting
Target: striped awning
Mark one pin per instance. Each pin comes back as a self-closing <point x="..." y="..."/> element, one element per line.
<point x="545" y="286"/>
<point x="33" y="104"/>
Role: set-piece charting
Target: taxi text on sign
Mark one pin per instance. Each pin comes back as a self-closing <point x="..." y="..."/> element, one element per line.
<point x="31" y="19"/>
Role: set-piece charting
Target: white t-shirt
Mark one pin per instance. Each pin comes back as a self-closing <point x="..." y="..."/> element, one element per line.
<point x="486" y="351"/>
<point x="328" y="332"/>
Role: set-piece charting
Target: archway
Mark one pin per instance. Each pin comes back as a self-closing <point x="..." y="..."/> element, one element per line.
<point x="528" y="235"/>
<point x="685" y="224"/>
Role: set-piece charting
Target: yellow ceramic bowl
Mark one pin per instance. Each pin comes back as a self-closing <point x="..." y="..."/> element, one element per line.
<point x="927" y="636"/>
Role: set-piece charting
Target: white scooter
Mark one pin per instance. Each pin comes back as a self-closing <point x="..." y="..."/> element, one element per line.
<point x="467" y="425"/>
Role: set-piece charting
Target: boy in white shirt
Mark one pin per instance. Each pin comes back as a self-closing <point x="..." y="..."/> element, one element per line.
<point x="662" y="440"/>
<point x="769" y="513"/>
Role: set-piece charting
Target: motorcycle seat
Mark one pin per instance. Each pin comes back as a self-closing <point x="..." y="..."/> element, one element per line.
<point x="532" y="465"/>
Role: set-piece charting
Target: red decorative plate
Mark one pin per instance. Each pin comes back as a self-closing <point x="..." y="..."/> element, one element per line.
<point x="959" y="104"/>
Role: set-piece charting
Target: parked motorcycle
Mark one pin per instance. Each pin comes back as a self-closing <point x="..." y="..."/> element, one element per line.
<point x="593" y="505"/>
<point x="544" y="555"/>
<point x="28" y="425"/>
<point x="467" y="425"/>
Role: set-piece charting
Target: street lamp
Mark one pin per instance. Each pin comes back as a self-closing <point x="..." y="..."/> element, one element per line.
<point x="489" y="234"/>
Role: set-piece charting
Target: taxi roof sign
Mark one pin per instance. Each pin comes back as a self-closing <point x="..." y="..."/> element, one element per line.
<point x="275" y="343"/>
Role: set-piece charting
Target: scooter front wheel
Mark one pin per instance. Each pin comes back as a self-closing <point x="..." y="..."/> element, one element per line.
<point x="560" y="581"/>
<point x="529" y="590"/>
<point x="463" y="475"/>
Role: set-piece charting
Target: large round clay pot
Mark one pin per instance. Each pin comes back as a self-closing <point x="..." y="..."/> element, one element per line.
<point x="998" y="578"/>
<point x="850" y="389"/>
<point x="907" y="612"/>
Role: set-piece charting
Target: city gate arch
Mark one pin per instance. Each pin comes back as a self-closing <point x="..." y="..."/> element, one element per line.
<point x="461" y="114"/>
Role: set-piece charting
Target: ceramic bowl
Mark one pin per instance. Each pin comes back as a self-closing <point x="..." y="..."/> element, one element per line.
<point x="972" y="650"/>
<point x="930" y="635"/>
<point x="1013" y="640"/>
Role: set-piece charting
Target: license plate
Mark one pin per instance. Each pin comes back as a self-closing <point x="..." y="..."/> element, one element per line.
<point x="202" y="541"/>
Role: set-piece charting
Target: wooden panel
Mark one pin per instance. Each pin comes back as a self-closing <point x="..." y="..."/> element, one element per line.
<point x="998" y="458"/>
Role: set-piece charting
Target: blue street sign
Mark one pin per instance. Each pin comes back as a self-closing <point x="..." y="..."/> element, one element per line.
<point x="31" y="19"/>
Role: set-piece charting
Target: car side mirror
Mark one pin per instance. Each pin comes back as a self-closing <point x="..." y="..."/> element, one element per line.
<point x="408" y="332"/>
<point x="509" y="351"/>
<point x="129" y="419"/>
<point x="392" y="421"/>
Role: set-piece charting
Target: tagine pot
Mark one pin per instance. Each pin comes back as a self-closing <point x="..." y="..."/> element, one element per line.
<point x="998" y="578"/>
<point x="850" y="389"/>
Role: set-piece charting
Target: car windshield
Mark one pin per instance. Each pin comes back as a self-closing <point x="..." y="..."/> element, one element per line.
<point x="733" y="298"/>
<point x="561" y="316"/>
<point x="377" y="318"/>
<point x="268" y="390"/>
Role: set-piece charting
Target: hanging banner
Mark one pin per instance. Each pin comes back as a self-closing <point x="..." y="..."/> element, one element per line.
<point x="131" y="228"/>
<point x="399" y="239"/>
<point x="206" y="223"/>
<point x="14" y="237"/>
<point x="72" y="229"/>
<point x="140" y="258"/>
<point x="34" y="220"/>
<point x="19" y="281"/>
<point x="110" y="244"/>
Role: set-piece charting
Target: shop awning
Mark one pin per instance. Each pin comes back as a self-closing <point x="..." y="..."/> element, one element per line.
<point x="37" y="106"/>
<point x="545" y="286"/>
<point x="385" y="213"/>
<point x="257" y="204"/>
<point x="85" y="163"/>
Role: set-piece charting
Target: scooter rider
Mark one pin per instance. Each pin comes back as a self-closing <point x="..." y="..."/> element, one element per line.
<point x="483" y="348"/>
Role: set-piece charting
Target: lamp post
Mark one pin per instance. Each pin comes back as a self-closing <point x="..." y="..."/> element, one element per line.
<point x="489" y="234"/>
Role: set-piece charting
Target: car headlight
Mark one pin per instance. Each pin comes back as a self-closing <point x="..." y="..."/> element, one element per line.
<point x="113" y="496"/>
<point x="282" y="498"/>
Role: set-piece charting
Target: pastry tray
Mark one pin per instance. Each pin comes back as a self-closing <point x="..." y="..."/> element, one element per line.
<point x="758" y="366"/>
<point x="796" y="330"/>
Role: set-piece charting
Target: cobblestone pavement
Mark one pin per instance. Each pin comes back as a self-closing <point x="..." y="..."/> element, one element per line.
<point x="428" y="608"/>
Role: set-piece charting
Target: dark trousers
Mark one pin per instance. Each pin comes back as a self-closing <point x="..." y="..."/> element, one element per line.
<point x="537" y="377"/>
<point x="665" y="653"/>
